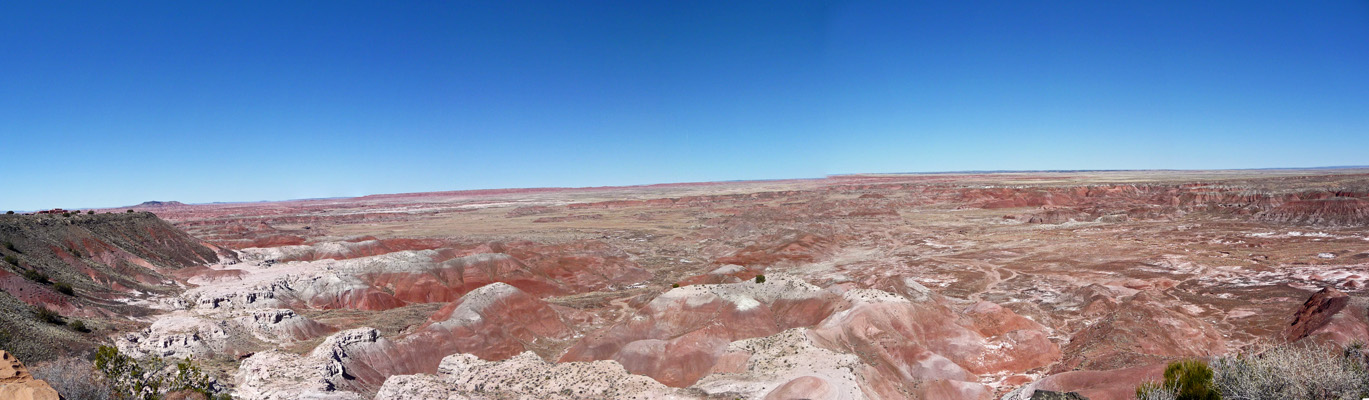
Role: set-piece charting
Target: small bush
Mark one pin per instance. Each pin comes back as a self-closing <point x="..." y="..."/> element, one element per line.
<point x="66" y="214"/>
<point x="9" y="212"/>
<point x="760" y="278"/>
<point x="12" y="261"/>
<point x="131" y="378"/>
<point x="79" y="326"/>
<point x="1295" y="372"/>
<point x="1193" y="379"/>
<point x="130" y="211"/>
<point x="36" y="276"/>
<point x="90" y="212"/>
<point x="674" y="285"/>
<point x="64" y="288"/>
<point x="46" y="315"/>
<point x="10" y="246"/>
<point x="126" y="376"/>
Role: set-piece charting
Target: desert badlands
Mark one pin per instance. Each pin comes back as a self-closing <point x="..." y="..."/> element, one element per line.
<point x="918" y="286"/>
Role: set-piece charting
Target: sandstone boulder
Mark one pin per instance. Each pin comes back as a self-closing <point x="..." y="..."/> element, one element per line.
<point x="17" y="384"/>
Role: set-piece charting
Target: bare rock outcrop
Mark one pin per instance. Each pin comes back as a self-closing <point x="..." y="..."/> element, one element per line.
<point x="786" y="365"/>
<point x="275" y="375"/>
<point x="1116" y="384"/>
<point x="184" y="334"/>
<point x="494" y="322"/>
<point x="17" y="384"/>
<point x="525" y="376"/>
<point x="391" y="280"/>
<point x="925" y="341"/>
<point x="1331" y="211"/>
<point x="1141" y="330"/>
<point x="679" y="336"/>
<point x="1328" y="316"/>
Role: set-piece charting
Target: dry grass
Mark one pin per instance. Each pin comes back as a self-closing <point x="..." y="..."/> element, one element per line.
<point x="1294" y="372"/>
<point x="74" y="378"/>
<point x="1156" y="391"/>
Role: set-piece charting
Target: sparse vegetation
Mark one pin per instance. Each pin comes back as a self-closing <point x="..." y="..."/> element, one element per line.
<point x="36" y="276"/>
<point x="9" y="212"/>
<point x="90" y="212"/>
<point x="46" y="315"/>
<point x="143" y="379"/>
<point x="12" y="261"/>
<point x="1299" y="371"/>
<point x="1155" y="391"/>
<point x="64" y="288"/>
<point x="760" y="278"/>
<point x="74" y="378"/>
<point x="127" y="377"/>
<point x="79" y="326"/>
<point x="10" y="246"/>
<point x="5" y="337"/>
<point x="130" y="211"/>
<point x="1189" y="379"/>
<point x="674" y="285"/>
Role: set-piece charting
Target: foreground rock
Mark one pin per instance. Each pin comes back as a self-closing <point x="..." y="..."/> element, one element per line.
<point x="17" y="384"/>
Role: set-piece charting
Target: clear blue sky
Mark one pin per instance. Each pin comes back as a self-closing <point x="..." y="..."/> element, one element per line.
<point x="114" y="103"/>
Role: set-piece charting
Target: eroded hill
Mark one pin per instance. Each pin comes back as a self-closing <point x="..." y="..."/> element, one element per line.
<point x="104" y="271"/>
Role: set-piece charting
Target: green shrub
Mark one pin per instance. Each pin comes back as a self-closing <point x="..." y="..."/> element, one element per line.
<point x="130" y="211"/>
<point x="10" y="246"/>
<point x="126" y="376"/>
<point x="46" y="315"/>
<point x="90" y="212"/>
<point x="9" y="212"/>
<point x="1189" y="379"/>
<point x="79" y="326"/>
<point x="12" y="261"/>
<point x="760" y="278"/>
<point x="674" y="285"/>
<point x="1193" y="380"/>
<point x="66" y="214"/>
<point x="131" y="378"/>
<point x="64" y="288"/>
<point x="36" y="276"/>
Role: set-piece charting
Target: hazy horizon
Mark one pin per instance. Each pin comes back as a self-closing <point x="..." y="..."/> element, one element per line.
<point x="108" y="105"/>
<point x="629" y="185"/>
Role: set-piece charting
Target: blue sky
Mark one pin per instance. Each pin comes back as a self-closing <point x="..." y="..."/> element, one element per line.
<point x="113" y="104"/>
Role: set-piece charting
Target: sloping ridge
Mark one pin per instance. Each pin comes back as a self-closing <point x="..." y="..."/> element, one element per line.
<point x="103" y="257"/>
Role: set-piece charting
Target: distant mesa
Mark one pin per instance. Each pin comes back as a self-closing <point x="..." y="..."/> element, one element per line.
<point x="160" y="204"/>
